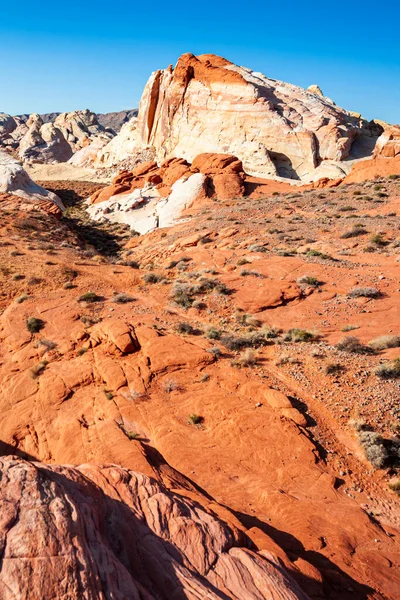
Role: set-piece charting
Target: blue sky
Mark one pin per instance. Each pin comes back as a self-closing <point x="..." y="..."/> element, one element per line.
<point x="98" y="55"/>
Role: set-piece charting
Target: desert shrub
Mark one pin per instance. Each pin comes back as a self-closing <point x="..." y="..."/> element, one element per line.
<point x="346" y="208"/>
<point x="318" y="254"/>
<point x="252" y="340"/>
<point x="213" y="333"/>
<point x="205" y="377"/>
<point x="309" y="280"/>
<point x="242" y="261"/>
<point x="354" y="346"/>
<point x="394" y="176"/>
<point x="334" y="368"/>
<point x="246" y="359"/>
<point x="183" y="293"/>
<point x="170" y="385"/>
<point x="38" y="369"/>
<point x="378" y="240"/>
<point x="82" y="351"/>
<point x="131" y="435"/>
<point x="48" y="344"/>
<point x="68" y="285"/>
<point x="257" y="248"/>
<point x="18" y="277"/>
<point x="184" y="327"/>
<point x="133" y="395"/>
<point x="385" y="341"/>
<point x="248" y="272"/>
<point x="389" y="370"/>
<point x="34" y="325"/>
<point x="21" y="298"/>
<point x="300" y="335"/>
<point x="355" y="232"/>
<point x="132" y="263"/>
<point x="151" y="277"/>
<point x="109" y="395"/>
<point x="122" y="298"/>
<point x="373" y="446"/>
<point x="394" y="486"/>
<point x="89" y="297"/>
<point x="215" y="351"/>
<point x="349" y="327"/>
<point x="367" y="292"/>
<point x="195" y="419"/>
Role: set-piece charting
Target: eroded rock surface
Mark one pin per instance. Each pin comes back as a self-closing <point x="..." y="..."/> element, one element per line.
<point x="207" y="104"/>
<point x="105" y="532"/>
<point x="15" y="180"/>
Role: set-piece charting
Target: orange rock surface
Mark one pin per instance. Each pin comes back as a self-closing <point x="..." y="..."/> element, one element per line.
<point x="211" y="454"/>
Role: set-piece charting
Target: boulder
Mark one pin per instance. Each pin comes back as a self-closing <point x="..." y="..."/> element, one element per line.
<point x="15" y="180"/>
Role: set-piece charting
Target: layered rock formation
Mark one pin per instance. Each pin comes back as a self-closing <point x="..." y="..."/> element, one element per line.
<point x="207" y="104"/>
<point x="57" y="522"/>
<point x="15" y="180"/>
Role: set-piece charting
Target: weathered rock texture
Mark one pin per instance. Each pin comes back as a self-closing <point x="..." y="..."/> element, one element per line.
<point x="388" y="144"/>
<point x="105" y="532"/>
<point x="55" y="139"/>
<point x="207" y="104"/>
<point x="150" y="196"/>
<point x="15" y="180"/>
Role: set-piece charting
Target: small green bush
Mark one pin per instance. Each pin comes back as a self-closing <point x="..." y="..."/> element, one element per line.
<point x="34" y="325"/>
<point x="300" y="335"/>
<point x="89" y="297"/>
<point x="195" y="419"/>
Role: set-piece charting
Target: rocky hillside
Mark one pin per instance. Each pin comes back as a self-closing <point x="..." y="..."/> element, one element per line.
<point x="228" y="384"/>
<point x="112" y="120"/>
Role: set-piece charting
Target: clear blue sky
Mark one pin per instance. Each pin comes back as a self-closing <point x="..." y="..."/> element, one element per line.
<point x="60" y="56"/>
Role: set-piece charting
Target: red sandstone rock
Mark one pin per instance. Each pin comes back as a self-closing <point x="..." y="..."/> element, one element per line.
<point x="104" y="532"/>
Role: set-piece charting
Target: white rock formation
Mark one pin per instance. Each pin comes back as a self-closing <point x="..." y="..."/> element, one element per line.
<point x="207" y="104"/>
<point x="15" y="180"/>
<point x="143" y="209"/>
<point x="120" y="147"/>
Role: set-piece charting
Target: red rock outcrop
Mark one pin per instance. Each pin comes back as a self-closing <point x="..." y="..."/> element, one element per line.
<point x="95" y="532"/>
<point x="388" y="144"/>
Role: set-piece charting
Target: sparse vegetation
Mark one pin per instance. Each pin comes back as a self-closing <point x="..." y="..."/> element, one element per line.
<point x="355" y="232"/>
<point x="247" y="358"/>
<point x="122" y="298"/>
<point x="367" y="292"/>
<point x="195" y="419"/>
<point x="354" y="346"/>
<point x="21" y="298"/>
<point x="389" y="370"/>
<point x="334" y="368"/>
<point x="151" y="278"/>
<point x="38" y="369"/>
<point x="373" y="446"/>
<point x="34" y="325"/>
<point x="385" y="341"/>
<point x="89" y="297"/>
<point x="309" y="280"/>
<point x="187" y="328"/>
<point x="300" y="335"/>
